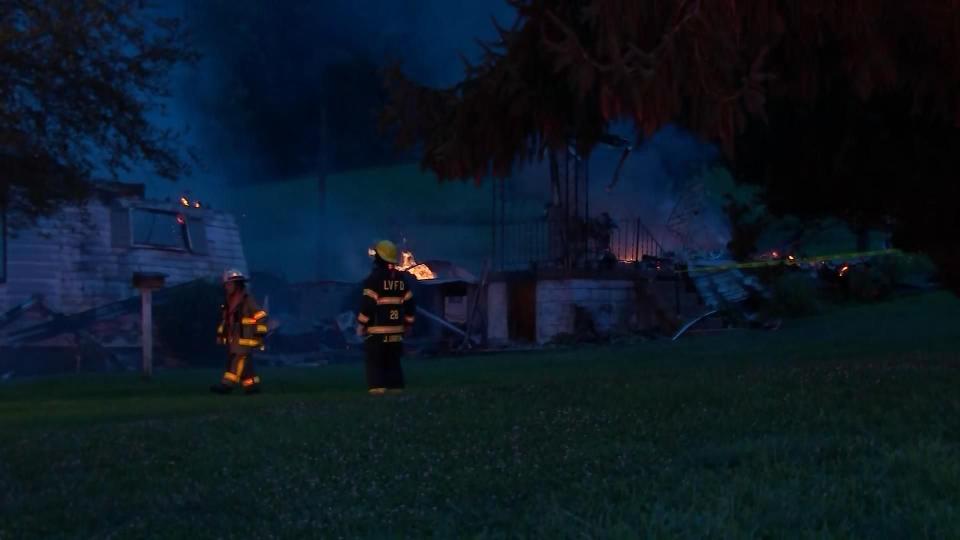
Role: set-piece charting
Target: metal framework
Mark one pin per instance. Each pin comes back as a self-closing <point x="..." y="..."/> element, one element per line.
<point x="567" y="237"/>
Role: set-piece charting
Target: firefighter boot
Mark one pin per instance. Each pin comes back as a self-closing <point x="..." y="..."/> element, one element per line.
<point x="251" y="385"/>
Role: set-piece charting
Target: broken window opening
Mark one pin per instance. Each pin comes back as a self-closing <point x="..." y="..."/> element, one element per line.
<point x="159" y="229"/>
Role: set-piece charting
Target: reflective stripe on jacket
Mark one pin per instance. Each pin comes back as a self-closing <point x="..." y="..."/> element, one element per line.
<point x="387" y="306"/>
<point x="247" y="327"/>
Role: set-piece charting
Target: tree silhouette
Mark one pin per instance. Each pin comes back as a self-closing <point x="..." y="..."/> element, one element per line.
<point x="77" y="87"/>
<point x="846" y="108"/>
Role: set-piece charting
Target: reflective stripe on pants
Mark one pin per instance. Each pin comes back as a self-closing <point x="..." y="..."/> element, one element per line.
<point x="240" y="370"/>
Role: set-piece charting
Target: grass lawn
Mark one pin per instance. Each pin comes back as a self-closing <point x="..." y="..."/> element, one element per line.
<point x="846" y="425"/>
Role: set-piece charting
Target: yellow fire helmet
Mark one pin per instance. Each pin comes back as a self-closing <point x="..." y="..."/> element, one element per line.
<point x="387" y="251"/>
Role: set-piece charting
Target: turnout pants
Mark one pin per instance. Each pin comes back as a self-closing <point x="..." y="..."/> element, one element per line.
<point x="240" y="371"/>
<point x="383" y="363"/>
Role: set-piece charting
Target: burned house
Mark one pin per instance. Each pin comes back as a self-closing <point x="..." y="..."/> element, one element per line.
<point x="543" y="304"/>
<point x="580" y="271"/>
<point x="305" y="315"/>
<point x="449" y="300"/>
<point x="67" y="278"/>
<point x="316" y="320"/>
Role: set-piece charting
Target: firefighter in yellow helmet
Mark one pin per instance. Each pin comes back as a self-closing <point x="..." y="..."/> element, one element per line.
<point x="243" y="326"/>
<point x="386" y="313"/>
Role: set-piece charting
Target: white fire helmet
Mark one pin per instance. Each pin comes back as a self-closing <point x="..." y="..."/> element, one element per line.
<point x="233" y="275"/>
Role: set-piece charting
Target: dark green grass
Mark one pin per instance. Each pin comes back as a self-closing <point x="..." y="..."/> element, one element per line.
<point x="846" y="425"/>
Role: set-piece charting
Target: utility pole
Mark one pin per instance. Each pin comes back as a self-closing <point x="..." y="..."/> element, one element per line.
<point x="323" y="164"/>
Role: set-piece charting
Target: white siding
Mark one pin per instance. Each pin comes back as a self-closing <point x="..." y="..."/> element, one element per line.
<point x="70" y="259"/>
<point x="610" y="303"/>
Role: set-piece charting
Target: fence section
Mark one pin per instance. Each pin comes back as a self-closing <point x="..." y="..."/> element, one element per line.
<point x="571" y="243"/>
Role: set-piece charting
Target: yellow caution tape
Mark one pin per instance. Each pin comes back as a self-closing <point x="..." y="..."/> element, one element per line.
<point x="793" y="262"/>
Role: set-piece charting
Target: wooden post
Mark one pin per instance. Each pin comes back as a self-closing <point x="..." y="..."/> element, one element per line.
<point x="146" y="283"/>
<point x="493" y="222"/>
<point x="676" y="291"/>
<point x="146" y="330"/>
<point x="473" y="308"/>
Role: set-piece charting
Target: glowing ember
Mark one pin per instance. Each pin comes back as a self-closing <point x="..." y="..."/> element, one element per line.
<point x="775" y="255"/>
<point x="406" y="261"/>
<point x="843" y="270"/>
<point x="196" y="204"/>
<point x="180" y="219"/>
<point x="184" y="201"/>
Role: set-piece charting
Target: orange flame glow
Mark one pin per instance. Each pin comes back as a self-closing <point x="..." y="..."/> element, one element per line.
<point x="422" y="272"/>
<point x="409" y="264"/>
<point x="184" y="201"/>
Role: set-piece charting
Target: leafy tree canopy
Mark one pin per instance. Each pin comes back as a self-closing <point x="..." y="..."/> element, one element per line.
<point x="78" y="85"/>
<point x="846" y="108"/>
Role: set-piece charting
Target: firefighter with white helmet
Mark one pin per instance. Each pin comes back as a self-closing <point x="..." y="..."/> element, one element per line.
<point x="386" y="313"/>
<point x="242" y="328"/>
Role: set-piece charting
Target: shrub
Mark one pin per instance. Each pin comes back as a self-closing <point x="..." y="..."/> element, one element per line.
<point x="900" y="269"/>
<point x="795" y="294"/>
<point x="187" y="324"/>
<point x="868" y="283"/>
<point x="879" y="277"/>
<point x="747" y="225"/>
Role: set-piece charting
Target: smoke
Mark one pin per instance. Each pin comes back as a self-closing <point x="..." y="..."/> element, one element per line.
<point x="654" y="185"/>
<point x="341" y="249"/>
